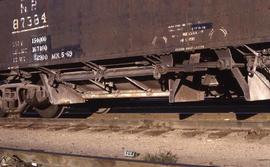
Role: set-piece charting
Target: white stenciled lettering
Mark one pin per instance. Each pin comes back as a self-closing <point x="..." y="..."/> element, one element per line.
<point x="23" y="22"/>
<point x="19" y="59"/>
<point x="29" y="20"/>
<point x="40" y="57"/>
<point x="15" y="24"/>
<point x="36" y="20"/>
<point x="34" y="49"/>
<point x="62" y="55"/>
<point x="41" y="48"/>
<point x="39" y="40"/>
<point x="30" y="23"/>
<point x="55" y="56"/>
<point x="16" y="44"/>
<point x="23" y="8"/>
<point x="22" y="59"/>
<point x="15" y="60"/>
<point x="69" y="54"/>
<point x="44" y="18"/>
<point x="33" y="5"/>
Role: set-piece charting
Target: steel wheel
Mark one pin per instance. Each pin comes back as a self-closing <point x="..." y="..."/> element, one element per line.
<point x="2" y="114"/>
<point x="53" y="111"/>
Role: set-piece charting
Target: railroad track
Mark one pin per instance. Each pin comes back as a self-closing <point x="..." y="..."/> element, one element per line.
<point x="125" y="121"/>
<point x="156" y="115"/>
<point x="28" y="158"/>
<point x="215" y="126"/>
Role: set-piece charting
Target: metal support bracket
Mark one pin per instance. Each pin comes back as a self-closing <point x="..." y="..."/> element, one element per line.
<point x="62" y="94"/>
<point x="100" y="85"/>
<point x="225" y="56"/>
<point x="139" y="84"/>
<point x="173" y="88"/>
<point x="98" y="70"/>
<point x="255" y="64"/>
<point x="180" y="91"/>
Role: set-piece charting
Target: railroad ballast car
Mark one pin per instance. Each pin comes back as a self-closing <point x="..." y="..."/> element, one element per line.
<point x="58" y="53"/>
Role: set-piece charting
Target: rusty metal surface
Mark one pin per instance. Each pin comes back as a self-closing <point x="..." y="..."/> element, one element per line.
<point x="47" y="32"/>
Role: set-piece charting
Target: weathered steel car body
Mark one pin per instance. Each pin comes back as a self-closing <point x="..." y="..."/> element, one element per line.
<point x="56" y="53"/>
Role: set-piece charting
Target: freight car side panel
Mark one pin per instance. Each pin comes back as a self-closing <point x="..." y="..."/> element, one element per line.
<point x="5" y="33"/>
<point x="48" y="32"/>
<point x="23" y="25"/>
<point x="105" y="28"/>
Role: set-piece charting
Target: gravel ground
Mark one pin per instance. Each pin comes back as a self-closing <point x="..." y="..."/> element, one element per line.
<point x="221" y="148"/>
